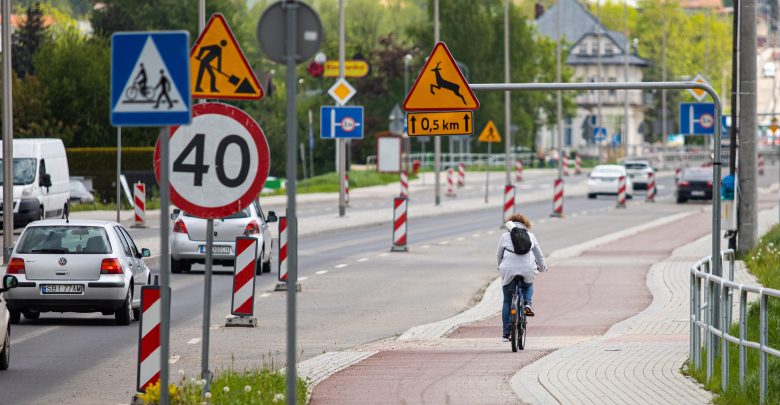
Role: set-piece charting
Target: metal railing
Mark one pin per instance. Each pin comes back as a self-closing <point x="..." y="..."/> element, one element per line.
<point x="715" y="322"/>
<point x="468" y="159"/>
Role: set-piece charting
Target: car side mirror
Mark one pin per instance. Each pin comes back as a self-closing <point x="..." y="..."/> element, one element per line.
<point x="146" y="252"/>
<point x="271" y="217"/>
<point x="9" y="282"/>
<point x="175" y="213"/>
<point x="45" y="180"/>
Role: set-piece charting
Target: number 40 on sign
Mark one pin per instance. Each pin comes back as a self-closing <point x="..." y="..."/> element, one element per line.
<point x="440" y="123"/>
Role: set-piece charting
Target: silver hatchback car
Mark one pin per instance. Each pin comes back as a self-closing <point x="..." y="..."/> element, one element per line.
<point x="188" y="239"/>
<point x="77" y="266"/>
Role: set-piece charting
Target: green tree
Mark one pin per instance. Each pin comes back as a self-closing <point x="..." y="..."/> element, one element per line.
<point x="27" y="39"/>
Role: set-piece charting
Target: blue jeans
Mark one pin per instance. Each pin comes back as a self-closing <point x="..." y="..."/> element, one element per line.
<point x="526" y="289"/>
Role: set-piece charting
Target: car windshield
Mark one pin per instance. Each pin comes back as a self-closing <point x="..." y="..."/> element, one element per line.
<point x="607" y="170"/>
<point x="77" y="187"/>
<point x="24" y="171"/>
<point x="697" y="174"/>
<point x="245" y="213"/>
<point x="636" y="165"/>
<point x="57" y="239"/>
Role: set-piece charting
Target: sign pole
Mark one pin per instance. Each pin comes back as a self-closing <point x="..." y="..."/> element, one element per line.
<point x="118" y="169"/>
<point x="487" y="174"/>
<point x="165" y="318"/>
<point x="292" y="221"/>
<point x="8" y="136"/>
<point x="340" y="143"/>
<point x="436" y="140"/>
<point x="507" y="100"/>
<point x="204" y="351"/>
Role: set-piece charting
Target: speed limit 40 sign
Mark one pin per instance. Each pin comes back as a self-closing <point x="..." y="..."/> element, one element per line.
<point x="219" y="162"/>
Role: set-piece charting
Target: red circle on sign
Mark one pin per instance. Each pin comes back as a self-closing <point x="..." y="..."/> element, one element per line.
<point x="706" y="121"/>
<point x="261" y="174"/>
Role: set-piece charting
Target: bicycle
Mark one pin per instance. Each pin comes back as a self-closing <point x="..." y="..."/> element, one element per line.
<point x="517" y="318"/>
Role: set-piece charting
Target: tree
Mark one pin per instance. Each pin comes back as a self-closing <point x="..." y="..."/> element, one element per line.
<point x="26" y="41"/>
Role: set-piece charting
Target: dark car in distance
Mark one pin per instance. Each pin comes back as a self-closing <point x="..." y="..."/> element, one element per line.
<point x="695" y="184"/>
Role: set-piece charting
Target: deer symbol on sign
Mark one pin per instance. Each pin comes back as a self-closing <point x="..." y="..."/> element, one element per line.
<point x="441" y="83"/>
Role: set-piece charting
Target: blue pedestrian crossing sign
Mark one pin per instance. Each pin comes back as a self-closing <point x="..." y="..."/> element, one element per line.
<point x="599" y="134"/>
<point x="150" y="78"/>
<point x="341" y="122"/>
<point x="697" y="118"/>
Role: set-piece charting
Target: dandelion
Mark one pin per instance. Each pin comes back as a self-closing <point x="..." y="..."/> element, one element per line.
<point x="278" y="397"/>
<point x="181" y="372"/>
<point x="226" y="389"/>
<point x="247" y="388"/>
<point x="201" y="382"/>
<point x="207" y="395"/>
<point x="192" y="380"/>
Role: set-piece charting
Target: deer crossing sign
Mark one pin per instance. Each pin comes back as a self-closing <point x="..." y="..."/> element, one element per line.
<point x="440" y="85"/>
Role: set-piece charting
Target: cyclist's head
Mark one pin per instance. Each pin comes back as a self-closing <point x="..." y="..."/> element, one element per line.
<point x="517" y="217"/>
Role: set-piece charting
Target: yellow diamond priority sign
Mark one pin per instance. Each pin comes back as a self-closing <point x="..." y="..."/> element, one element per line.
<point x="342" y="91"/>
<point x="440" y="85"/>
<point x="699" y="94"/>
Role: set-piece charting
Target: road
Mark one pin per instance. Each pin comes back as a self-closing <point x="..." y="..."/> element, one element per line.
<point x="354" y="292"/>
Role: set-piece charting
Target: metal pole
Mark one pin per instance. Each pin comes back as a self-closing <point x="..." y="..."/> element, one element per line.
<point x="558" y="94"/>
<point x="407" y="60"/>
<point x="436" y="139"/>
<point x="663" y="69"/>
<point x="748" y="191"/>
<point x="487" y="174"/>
<point x="599" y="75"/>
<point x="204" y="350"/>
<point x="340" y="144"/>
<point x="292" y="220"/>
<point x="165" y="291"/>
<point x="311" y="145"/>
<point x="735" y="58"/>
<point x="8" y="136"/>
<point x="507" y="99"/>
<point x="626" y="143"/>
<point x="118" y="169"/>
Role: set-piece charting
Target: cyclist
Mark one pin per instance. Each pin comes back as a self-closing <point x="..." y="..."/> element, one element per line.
<point x="511" y="265"/>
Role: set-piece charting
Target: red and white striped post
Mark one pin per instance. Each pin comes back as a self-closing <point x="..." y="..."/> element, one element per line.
<point x="404" y="184"/>
<point x="282" y="260"/>
<point x="761" y="164"/>
<point x="149" y="338"/>
<point x="577" y="164"/>
<point x="651" y="187"/>
<point x="461" y="174"/>
<point x="399" y="225"/>
<point x="565" y="163"/>
<point x="621" y="192"/>
<point x="450" y="185"/>
<point x="677" y="172"/>
<point x="139" y="201"/>
<point x="346" y="188"/>
<point x="518" y="170"/>
<point x="509" y="202"/>
<point x="242" y="303"/>
<point x="557" y="198"/>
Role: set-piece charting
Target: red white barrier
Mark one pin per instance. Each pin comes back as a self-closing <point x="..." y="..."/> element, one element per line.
<point x="282" y="249"/>
<point x="557" y="198"/>
<point x="509" y="202"/>
<point x="346" y="188"/>
<point x="677" y="172"/>
<point x="761" y="164"/>
<point x="243" y="301"/>
<point x="450" y="185"/>
<point x="565" y="164"/>
<point x="404" y="184"/>
<point x="621" y="192"/>
<point x="139" y="200"/>
<point x="399" y="225"/>
<point x="577" y="165"/>
<point x="518" y="170"/>
<point x="461" y="174"/>
<point x="149" y="338"/>
<point x="650" y="187"/>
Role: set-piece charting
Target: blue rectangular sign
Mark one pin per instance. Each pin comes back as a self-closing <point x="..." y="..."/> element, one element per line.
<point x="150" y="78"/>
<point x="697" y="118"/>
<point x="599" y="134"/>
<point x="341" y="122"/>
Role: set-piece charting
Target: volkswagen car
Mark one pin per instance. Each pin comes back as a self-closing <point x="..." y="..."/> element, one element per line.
<point x="77" y="266"/>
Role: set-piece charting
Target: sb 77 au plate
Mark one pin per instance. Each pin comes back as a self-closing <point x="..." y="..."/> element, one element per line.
<point x="52" y="289"/>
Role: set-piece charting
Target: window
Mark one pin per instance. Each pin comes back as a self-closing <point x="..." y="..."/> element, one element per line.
<point x="583" y="49"/>
<point x="24" y="171"/>
<point x="64" y="239"/>
<point x="595" y="48"/>
<point x="122" y="241"/>
<point x="130" y="242"/>
<point x="608" y="48"/>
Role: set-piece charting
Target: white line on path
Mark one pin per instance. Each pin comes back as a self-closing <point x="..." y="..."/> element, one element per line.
<point x="384" y="254"/>
<point x="341" y="266"/>
<point x="491" y="232"/>
<point x="193" y="341"/>
<point x="362" y="259"/>
<point x="321" y="272"/>
<point x="263" y="295"/>
<point x="476" y="235"/>
<point x="302" y="278"/>
<point x="461" y="238"/>
<point x="173" y="359"/>
<point x="425" y="247"/>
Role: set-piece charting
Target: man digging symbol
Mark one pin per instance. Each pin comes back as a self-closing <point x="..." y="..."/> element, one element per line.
<point x="205" y="56"/>
<point x="441" y="83"/>
<point x="165" y="86"/>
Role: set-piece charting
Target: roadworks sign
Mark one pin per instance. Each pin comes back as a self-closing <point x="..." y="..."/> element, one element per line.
<point x="440" y="85"/>
<point x="490" y="133"/>
<point x="218" y="67"/>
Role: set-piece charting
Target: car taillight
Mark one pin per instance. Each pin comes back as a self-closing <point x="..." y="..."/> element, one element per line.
<point x="252" y="228"/>
<point x="683" y="183"/>
<point x="110" y="266"/>
<point x="179" y="227"/>
<point x="709" y="184"/>
<point x="16" y="266"/>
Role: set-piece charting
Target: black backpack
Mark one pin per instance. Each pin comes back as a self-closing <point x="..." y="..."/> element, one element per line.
<point x="521" y="241"/>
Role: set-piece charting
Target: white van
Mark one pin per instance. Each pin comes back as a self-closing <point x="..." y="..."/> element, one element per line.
<point x="41" y="180"/>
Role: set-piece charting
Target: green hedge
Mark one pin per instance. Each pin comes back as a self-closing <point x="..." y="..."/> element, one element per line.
<point x="100" y="164"/>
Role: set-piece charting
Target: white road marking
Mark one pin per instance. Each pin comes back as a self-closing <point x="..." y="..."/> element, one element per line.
<point x="34" y="334"/>
<point x="461" y="238"/>
<point x="362" y="259"/>
<point x="476" y="235"/>
<point x="263" y="295"/>
<point x="425" y="247"/>
<point x="444" y="242"/>
<point x="341" y="266"/>
<point x="193" y="341"/>
<point x="215" y="327"/>
<point x="174" y="358"/>
<point x="383" y="254"/>
<point x="302" y="278"/>
<point x="543" y="220"/>
<point x="574" y="215"/>
<point x="321" y="272"/>
<point x="491" y="232"/>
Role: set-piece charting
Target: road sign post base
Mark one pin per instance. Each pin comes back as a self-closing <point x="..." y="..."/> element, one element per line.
<point x="556" y="215"/>
<point x="399" y="249"/>
<point x="138" y="226"/>
<point x="453" y="195"/>
<point x="620" y="206"/>
<point x="136" y="400"/>
<point x="245" y="321"/>
<point x="283" y="287"/>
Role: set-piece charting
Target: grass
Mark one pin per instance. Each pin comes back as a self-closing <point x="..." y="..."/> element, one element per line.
<point x="764" y="262"/>
<point x="264" y="386"/>
<point x="328" y="182"/>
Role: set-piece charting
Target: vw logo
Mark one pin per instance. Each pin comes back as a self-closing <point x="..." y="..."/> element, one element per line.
<point x="63" y="261"/>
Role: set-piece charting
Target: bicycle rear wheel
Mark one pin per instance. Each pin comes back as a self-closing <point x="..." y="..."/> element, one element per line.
<point x="521" y="329"/>
<point x="514" y="317"/>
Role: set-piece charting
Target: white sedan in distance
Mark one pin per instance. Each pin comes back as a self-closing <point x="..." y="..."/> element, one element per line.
<point x="639" y="172"/>
<point x="77" y="266"/>
<point x="604" y="180"/>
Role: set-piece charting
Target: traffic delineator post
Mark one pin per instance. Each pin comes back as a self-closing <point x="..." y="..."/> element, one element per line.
<point x="577" y="164"/>
<point x="346" y="188"/>
<point x="565" y="165"/>
<point x="621" y="192"/>
<point x="404" y="184"/>
<point x="400" y="206"/>
<point x="651" y="187"/>
<point x="450" y="185"/>
<point x="761" y="164"/>
<point x="677" y="172"/>
<point x="461" y="174"/>
<point x="518" y="170"/>
<point x="149" y="338"/>
<point x="557" y="198"/>
<point x="139" y="203"/>
<point x="243" y="300"/>
<point x="282" y="260"/>
<point x="509" y="202"/>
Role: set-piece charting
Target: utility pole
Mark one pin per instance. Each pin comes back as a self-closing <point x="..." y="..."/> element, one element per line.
<point x="663" y="70"/>
<point x="599" y="72"/>
<point x="436" y="139"/>
<point x="340" y="144"/>
<point x="558" y="99"/>
<point x="8" y="135"/>
<point x="748" y="192"/>
<point x="626" y="52"/>
<point x="507" y="100"/>
<point x="735" y="58"/>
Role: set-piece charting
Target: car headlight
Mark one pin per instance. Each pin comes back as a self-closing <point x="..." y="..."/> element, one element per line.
<point x="27" y="192"/>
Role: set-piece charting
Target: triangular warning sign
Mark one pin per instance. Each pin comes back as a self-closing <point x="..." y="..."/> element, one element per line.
<point x="490" y="133"/>
<point x="440" y="85"/>
<point x="149" y="87"/>
<point x="218" y="67"/>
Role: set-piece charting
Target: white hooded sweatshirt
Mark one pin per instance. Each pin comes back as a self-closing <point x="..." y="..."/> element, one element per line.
<point x="511" y="264"/>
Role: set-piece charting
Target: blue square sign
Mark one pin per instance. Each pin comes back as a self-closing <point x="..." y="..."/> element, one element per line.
<point x="150" y="78"/>
<point x="341" y="122"/>
<point x="697" y="118"/>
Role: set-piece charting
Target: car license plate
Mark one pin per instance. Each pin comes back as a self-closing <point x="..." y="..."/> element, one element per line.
<point x="697" y="193"/>
<point x="62" y="289"/>
<point x="218" y="249"/>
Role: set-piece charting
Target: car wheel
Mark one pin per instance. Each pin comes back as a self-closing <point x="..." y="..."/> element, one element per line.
<point x="176" y="265"/>
<point x="16" y="316"/>
<point x="137" y="314"/>
<point x="124" y="314"/>
<point x="31" y="315"/>
<point x="592" y="196"/>
<point x="5" y="355"/>
<point x="681" y="200"/>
